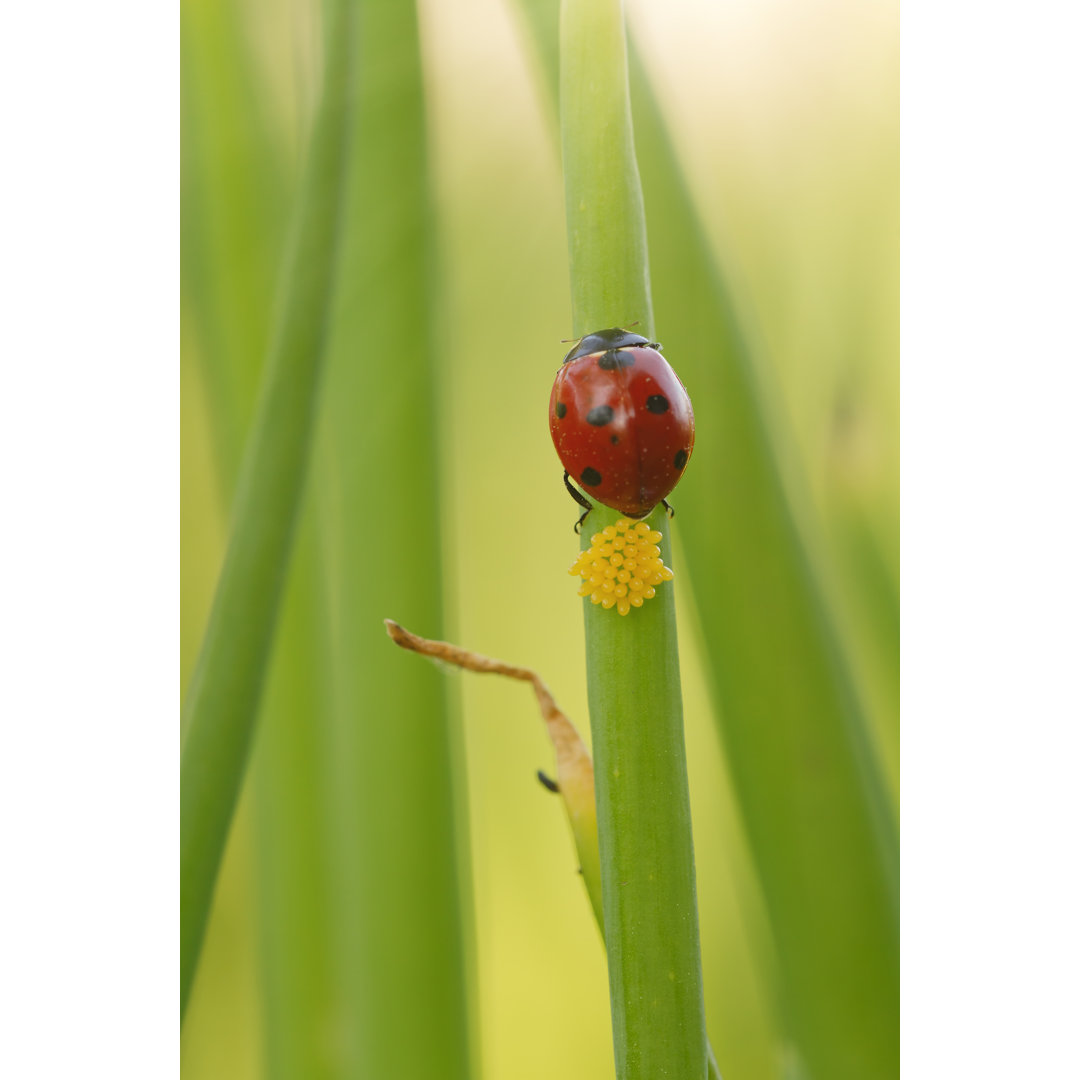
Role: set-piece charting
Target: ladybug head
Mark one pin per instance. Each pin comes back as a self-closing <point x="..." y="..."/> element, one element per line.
<point x="603" y="340"/>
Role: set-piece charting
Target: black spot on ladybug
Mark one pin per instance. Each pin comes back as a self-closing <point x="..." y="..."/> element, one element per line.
<point x="601" y="415"/>
<point x="657" y="403"/>
<point x="680" y="459"/>
<point x="614" y="359"/>
<point x="590" y="477"/>
<point x="560" y="409"/>
<point x="614" y="440"/>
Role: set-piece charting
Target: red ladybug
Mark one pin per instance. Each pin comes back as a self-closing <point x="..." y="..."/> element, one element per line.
<point x="621" y="422"/>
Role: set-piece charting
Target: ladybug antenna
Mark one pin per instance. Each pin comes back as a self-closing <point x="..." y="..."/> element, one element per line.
<point x="568" y="340"/>
<point x="629" y="324"/>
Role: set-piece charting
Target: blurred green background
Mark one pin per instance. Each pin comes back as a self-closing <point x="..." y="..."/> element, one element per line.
<point x="784" y="116"/>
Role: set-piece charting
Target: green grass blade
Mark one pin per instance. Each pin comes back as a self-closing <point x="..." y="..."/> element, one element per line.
<point x="813" y="802"/>
<point x="234" y="207"/>
<point x="233" y="202"/>
<point x="223" y="700"/>
<point x="635" y="703"/>
<point x="871" y="590"/>
<point x="297" y="876"/>
<point x="542" y="20"/>
<point x="397" y="847"/>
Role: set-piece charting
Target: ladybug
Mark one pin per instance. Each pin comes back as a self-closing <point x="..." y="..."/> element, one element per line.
<point x="621" y="421"/>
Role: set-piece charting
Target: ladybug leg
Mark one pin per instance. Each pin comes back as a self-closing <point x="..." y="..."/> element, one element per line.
<point x="578" y="498"/>
<point x="668" y="507"/>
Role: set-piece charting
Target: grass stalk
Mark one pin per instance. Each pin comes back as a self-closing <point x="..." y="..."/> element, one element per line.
<point x="300" y="989"/>
<point x="234" y="206"/>
<point x="795" y="734"/>
<point x="234" y="199"/>
<point x="397" y="848"/>
<point x="829" y="890"/>
<point x="635" y="701"/>
<point x="222" y="702"/>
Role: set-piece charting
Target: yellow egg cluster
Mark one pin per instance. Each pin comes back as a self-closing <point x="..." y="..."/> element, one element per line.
<point x="623" y="566"/>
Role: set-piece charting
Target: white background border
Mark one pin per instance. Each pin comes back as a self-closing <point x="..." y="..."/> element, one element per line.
<point x="89" y="540"/>
<point x="990" y="539"/>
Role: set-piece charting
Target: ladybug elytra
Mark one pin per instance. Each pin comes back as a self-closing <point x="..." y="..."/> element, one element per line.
<point x="621" y="421"/>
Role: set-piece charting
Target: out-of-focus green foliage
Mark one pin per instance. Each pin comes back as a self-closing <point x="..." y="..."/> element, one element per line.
<point x="235" y="203"/>
<point x="355" y="794"/>
<point x="223" y="700"/>
<point x="783" y="119"/>
<point x="398" y="910"/>
<point x="235" y="198"/>
<point x="796" y="738"/>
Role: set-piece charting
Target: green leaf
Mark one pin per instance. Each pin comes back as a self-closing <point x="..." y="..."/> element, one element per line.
<point x="814" y="805"/>
<point x="396" y="837"/>
<point x="234" y="207"/>
<point x="223" y="699"/>
<point x="298" y="876"/>
<point x="234" y="199"/>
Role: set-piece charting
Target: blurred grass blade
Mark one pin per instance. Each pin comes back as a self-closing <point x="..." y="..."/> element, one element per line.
<point x="234" y="204"/>
<point x="542" y="20"/>
<point x="873" y="601"/>
<point x="223" y="700"/>
<point x="397" y="846"/>
<point x="296" y="872"/>
<point x="635" y="697"/>
<point x="233" y="201"/>
<point x="796" y="738"/>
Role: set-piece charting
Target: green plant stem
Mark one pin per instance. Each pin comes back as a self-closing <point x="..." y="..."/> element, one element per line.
<point x="829" y="890"/>
<point x="397" y="841"/>
<point x="605" y="217"/>
<point x="222" y="703"/>
<point x="795" y="734"/>
<point x="635" y="702"/>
